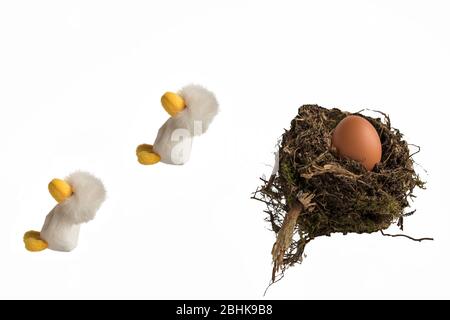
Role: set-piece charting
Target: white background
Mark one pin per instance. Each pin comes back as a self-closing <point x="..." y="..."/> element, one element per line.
<point x="80" y="83"/>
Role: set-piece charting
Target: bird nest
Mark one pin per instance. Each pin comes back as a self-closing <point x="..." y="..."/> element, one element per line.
<point x="316" y="193"/>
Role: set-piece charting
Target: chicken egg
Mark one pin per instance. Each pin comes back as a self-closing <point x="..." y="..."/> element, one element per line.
<point x="356" y="138"/>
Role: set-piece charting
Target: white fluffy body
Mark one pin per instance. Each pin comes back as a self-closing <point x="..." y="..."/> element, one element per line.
<point x="202" y="107"/>
<point x="174" y="140"/>
<point x="62" y="225"/>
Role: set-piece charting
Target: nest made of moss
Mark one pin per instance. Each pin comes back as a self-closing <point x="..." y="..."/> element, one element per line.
<point x="316" y="193"/>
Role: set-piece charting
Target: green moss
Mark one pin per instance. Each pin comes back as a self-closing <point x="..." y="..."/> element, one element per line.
<point x="288" y="173"/>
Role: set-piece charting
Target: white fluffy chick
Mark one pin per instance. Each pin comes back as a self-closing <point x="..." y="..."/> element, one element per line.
<point x="80" y="196"/>
<point x="192" y="110"/>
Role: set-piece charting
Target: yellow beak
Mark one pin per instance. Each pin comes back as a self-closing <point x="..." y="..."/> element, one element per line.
<point x="60" y="190"/>
<point x="173" y="103"/>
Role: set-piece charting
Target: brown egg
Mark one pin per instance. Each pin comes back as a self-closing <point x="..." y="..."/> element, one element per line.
<point x="356" y="138"/>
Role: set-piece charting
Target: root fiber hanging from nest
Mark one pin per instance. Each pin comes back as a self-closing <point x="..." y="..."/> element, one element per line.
<point x="316" y="193"/>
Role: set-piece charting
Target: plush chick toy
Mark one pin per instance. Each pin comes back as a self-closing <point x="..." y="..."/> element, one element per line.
<point x="79" y="197"/>
<point x="192" y="110"/>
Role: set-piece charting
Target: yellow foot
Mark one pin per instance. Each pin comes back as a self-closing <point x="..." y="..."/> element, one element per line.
<point x="146" y="155"/>
<point x="144" y="147"/>
<point x="173" y="103"/>
<point x="60" y="190"/>
<point x="33" y="241"/>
